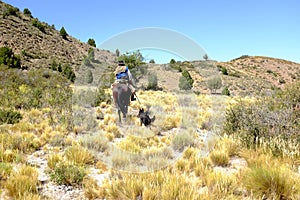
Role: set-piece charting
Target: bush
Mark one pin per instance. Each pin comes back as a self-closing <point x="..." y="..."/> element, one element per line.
<point x="67" y="174"/>
<point x="9" y="116"/>
<point x="63" y="33"/>
<point x="272" y="183"/>
<point x="78" y="155"/>
<point x="39" y="25"/>
<point x="226" y="91"/>
<point x="89" y="76"/>
<point x="8" y="58"/>
<point x="152" y="81"/>
<point x="22" y="182"/>
<point x="91" y="42"/>
<point x="27" y="12"/>
<point x="182" y="140"/>
<point x="186" y="81"/>
<point x="10" y="10"/>
<point x="214" y="84"/>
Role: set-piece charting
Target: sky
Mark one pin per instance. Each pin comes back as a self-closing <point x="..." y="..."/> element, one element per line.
<point x="223" y="29"/>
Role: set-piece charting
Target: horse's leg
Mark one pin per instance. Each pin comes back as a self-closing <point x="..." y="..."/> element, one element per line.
<point x="119" y="113"/>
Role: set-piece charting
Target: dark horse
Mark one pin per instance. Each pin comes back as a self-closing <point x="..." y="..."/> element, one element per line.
<point x="121" y="95"/>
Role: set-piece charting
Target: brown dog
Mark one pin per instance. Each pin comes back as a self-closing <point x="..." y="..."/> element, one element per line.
<point x="145" y="118"/>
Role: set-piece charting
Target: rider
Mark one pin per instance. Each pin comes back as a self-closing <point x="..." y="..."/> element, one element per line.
<point x="123" y="75"/>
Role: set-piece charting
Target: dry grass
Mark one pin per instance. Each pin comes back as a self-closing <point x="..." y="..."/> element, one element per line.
<point x="91" y="189"/>
<point x="22" y="182"/>
<point x="78" y="155"/>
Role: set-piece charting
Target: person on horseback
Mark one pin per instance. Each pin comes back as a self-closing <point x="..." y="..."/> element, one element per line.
<point x="123" y="75"/>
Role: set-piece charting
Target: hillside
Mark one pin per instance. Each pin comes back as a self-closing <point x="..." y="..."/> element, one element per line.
<point x="40" y="45"/>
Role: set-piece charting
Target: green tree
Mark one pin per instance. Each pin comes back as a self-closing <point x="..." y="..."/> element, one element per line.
<point x="133" y="59"/>
<point x="205" y="57"/>
<point x="63" y="33"/>
<point x="27" y="12"/>
<point x="214" y="84"/>
<point x="91" y="42"/>
<point x="152" y="61"/>
<point x="8" y="58"/>
<point x="172" y="61"/>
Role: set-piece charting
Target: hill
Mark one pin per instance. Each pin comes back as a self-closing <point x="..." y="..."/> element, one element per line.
<point x="39" y="44"/>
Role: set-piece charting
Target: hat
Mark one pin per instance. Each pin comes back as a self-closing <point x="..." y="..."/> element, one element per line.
<point x="121" y="63"/>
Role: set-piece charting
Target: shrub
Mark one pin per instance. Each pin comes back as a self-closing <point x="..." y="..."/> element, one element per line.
<point x="184" y="84"/>
<point x="214" y="84"/>
<point x="63" y="33"/>
<point x="91" y="42"/>
<point x="36" y="23"/>
<point x="78" y="155"/>
<point x="89" y="76"/>
<point x="23" y="181"/>
<point x="96" y="142"/>
<point x="224" y="71"/>
<point x="67" y="174"/>
<point x="152" y="81"/>
<point x="272" y="183"/>
<point x="10" y="10"/>
<point x="27" y="12"/>
<point x="226" y="91"/>
<point x="9" y="116"/>
<point x="8" y="58"/>
<point x="182" y="140"/>
<point x="152" y="61"/>
<point x="219" y="157"/>
<point x="172" y="61"/>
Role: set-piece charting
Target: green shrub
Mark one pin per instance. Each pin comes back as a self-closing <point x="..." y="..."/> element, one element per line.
<point x="8" y="58"/>
<point x="27" y="12"/>
<point x="186" y="81"/>
<point x="91" y="42"/>
<point x="10" y="10"/>
<point x="67" y="174"/>
<point x="9" y="116"/>
<point x="36" y="23"/>
<point x="63" y="33"/>
<point x="226" y="91"/>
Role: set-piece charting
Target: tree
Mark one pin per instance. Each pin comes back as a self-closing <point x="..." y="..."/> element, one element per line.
<point x="91" y="42"/>
<point x="226" y="91"/>
<point x="172" y="61"/>
<point x="117" y="52"/>
<point x="133" y="59"/>
<point x="152" y="61"/>
<point x="205" y="57"/>
<point x="214" y="84"/>
<point x="63" y="33"/>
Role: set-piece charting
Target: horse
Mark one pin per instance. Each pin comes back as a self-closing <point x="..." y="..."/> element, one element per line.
<point x="121" y="96"/>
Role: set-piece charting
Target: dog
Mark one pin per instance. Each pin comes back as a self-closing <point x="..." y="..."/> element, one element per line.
<point x="145" y="118"/>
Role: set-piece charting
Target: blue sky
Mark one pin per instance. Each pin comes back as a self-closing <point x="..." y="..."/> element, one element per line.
<point x="224" y="29"/>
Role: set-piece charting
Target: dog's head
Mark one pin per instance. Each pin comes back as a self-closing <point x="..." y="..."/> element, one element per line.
<point x="141" y="111"/>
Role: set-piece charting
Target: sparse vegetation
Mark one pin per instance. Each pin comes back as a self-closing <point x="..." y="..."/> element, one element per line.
<point x="39" y="25"/>
<point x="7" y="58"/>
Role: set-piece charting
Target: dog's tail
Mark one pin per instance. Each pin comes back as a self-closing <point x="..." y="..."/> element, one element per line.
<point x="153" y="118"/>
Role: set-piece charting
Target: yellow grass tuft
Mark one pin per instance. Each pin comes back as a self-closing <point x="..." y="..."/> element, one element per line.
<point x="78" y="155"/>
